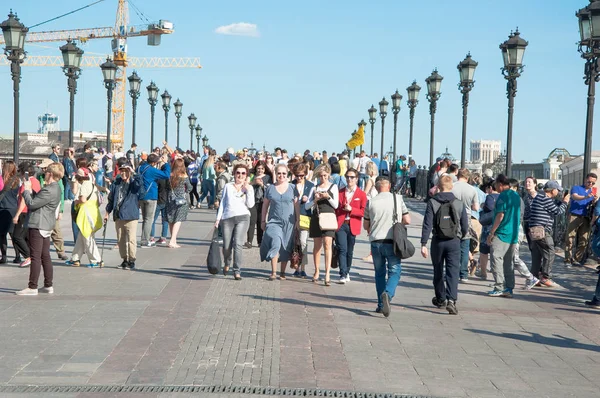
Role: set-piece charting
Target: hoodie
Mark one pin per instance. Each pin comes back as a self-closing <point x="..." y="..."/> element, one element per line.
<point x="429" y="219"/>
<point x="150" y="177"/>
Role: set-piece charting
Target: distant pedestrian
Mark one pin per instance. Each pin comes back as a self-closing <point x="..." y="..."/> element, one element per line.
<point x="54" y="156"/>
<point x="583" y="198"/>
<point x="304" y="191"/>
<point x="8" y="206"/>
<point x="177" y="208"/>
<point x="150" y="176"/>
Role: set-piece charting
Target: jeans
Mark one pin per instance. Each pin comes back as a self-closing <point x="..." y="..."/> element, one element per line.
<point x="464" y="257"/>
<point x="501" y="256"/>
<point x="362" y="181"/>
<point x="597" y="292"/>
<point x="234" y="235"/>
<point x="386" y="263"/>
<point x="208" y="188"/>
<point x="20" y="237"/>
<point x="578" y="228"/>
<point x="413" y="186"/>
<point x="344" y="241"/>
<point x="40" y="258"/>
<point x="148" y="209"/>
<point x="520" y="265"/>
<point x="252" y="226"/>
<point x="74" y="226"/>
<point x="162" y="210"/>
<point x="446" y="252"/>
<point x="542" y="256"/>
<point x="68" y="192"/>
<point x="194" y="193"/>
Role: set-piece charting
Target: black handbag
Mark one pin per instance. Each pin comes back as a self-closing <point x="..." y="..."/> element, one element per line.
<point x="403" y="248"/>
<point x="335" y="255"/>
<point x="296" y="257"/>
<point x="213" y="260"/>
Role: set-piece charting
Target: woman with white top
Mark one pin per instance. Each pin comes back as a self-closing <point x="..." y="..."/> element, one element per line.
<point x="326" y="200"/>
<point x="370" y="185"/>
<point x="234" y="213"/>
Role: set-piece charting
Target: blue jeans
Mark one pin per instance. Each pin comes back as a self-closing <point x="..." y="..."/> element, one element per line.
<point x="68" y="193"/>
<point x="208" y="188"/>
<point x="464" y="257"/>
<point x="74" y="225"/>
<point x="344" y="241"/>
<point x="162" y="210"/>
<point x="597" y="293"/>
<point x="362" y="181"/>
<point x="385" y="263"/>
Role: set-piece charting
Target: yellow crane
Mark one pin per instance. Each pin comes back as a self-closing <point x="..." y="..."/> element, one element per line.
<point x="119" y="35"/>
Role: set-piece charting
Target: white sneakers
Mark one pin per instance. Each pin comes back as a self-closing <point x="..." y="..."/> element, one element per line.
<point x="34" y="292"/>
<point x="344" y="280"/>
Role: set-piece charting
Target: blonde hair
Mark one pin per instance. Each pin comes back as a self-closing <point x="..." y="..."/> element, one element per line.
<point x="445" y="183"/>
<point x="323" y="167"/>
<point x="371" y="169"/>
<point x="281" y="166"/>
<point x="57" y="170"/>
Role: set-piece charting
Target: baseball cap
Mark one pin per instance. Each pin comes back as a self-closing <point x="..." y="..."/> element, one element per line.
<point x="439" y="159"/>
<point x="552" y="184"/>
<point x="83" y="172"/>
<point x="45" y="163"/>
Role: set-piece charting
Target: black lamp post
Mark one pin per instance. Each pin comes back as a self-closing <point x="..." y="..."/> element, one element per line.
<point x="72" y="60"/>
<point x="14" y="39"/>
<point x="205" y="139"/>
<point x="153" y="100"/>
<point x="383" y="104"/>
<point x="513" y="50"/>
<point x="198" y="136"/>
<point x="434" y="83"/>
<point x="396" y="99"/>
<point x="192" y="119"/>
<point x="466" y="70"/>
<point x="589" y="47"/>
<point x="372" y="117"/>
<point x="109" y="71"/>
<point x="413" y="99"/>
<point x="178" y="105"/>
<point x="134" y="91"/>
<point x="166" y="100"/>
<point x="362" y="124"/>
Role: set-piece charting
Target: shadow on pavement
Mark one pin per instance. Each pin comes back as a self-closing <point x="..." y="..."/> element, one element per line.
<point x="311" y="304"/>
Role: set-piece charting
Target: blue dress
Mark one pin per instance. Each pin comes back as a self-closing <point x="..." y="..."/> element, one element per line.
<point x="278" y="236"/>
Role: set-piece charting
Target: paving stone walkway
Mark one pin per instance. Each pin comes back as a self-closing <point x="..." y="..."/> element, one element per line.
<point x="171" y="323"/>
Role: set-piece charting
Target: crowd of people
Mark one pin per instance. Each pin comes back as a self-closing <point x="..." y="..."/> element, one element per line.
<point x="474" y="221"/>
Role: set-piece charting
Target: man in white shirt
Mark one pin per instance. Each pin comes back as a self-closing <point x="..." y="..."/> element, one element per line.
<point x="467" y="194"/>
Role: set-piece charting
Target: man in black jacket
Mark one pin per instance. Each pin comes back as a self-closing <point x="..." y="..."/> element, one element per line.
<point x="444" y="250"/>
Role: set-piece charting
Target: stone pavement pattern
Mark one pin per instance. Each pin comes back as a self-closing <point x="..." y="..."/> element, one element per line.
<point x="171" y="323"/>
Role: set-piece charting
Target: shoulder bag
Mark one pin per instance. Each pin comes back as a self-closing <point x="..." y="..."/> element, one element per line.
<point x="327" y="221"/>
<point x="403" y="248"/>
<point x="537" y="232"/>
<point x="176" y="199"/>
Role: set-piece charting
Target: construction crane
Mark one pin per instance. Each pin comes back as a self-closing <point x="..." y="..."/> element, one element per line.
<point x="119" y="35"/>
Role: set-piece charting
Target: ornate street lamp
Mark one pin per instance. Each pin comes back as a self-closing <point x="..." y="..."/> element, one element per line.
<point x="178" y="105"/>
<point x="589" y="47"/>
<point x="166" y="100"/>
<point x="396" y="99"/>
<point x="204" y="139"/>
<point x="513" y="50"/>
<point x="14" y="38"/>
<point x="362" y="124"/>
<point x="372" y="117"/>
<point x="198" y="135"/>
<point x="152" y="100"/>
<point x="413" y="99"/>
<point x="109" y="72"/>
<point x="135" y="84"/>
<point x="71" y="67"/>
<point x="192" y="119"/>
<point x="466" y="70"/>
<point x="383" y="104"/>
<point x="434" y="83"/>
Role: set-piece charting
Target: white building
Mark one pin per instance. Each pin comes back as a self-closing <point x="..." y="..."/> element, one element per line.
<point x="572" y="170"/>
<point x="484" y="151"/>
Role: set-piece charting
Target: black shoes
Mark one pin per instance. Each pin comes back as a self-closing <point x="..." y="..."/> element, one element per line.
<point x="131" y="265"/>
<point x="385" y="301"/>
<point x="124" y="264"/>
<point x="248" y="245"/>
<point x="128" y="265"/>
<point x="593" y="303"/>
<point x="438" y="303"/>
<point x="451" y="307"/>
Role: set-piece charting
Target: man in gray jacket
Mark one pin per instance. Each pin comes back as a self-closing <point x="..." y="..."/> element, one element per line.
<point x="43" y="212"/>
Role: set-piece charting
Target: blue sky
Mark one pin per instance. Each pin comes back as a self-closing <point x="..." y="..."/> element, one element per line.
<point x="317" y="67"/>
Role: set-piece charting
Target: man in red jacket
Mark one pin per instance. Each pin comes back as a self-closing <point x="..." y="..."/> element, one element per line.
<point x="349" y="214"/>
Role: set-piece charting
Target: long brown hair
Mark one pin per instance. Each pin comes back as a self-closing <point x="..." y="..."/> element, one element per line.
<point x="9" y="171"/>
<point x="178" y="172"/>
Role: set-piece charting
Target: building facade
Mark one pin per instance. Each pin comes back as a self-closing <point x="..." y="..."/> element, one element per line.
<point x="572" y="170"/>
<point x="484" y="151"/>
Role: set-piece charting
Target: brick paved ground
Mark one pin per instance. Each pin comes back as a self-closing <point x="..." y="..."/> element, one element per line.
<point x="171" y="323"/>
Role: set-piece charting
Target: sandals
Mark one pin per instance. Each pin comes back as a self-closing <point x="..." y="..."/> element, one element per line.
<point x="225" y="270"/>
<point x="327" y="282"/>
<point x="272" y="277"/>
<point x="282" y="276"/>
<point x="237" y="276"/>
<point x="315" y="279"/>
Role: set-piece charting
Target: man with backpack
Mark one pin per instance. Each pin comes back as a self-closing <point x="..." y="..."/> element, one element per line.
<point x="150" y="176"/>
<point x="447" y="218"/>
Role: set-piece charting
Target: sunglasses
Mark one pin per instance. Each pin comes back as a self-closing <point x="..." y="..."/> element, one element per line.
<point x="300" y="176"/>
<point x="350" y="177"/>
<point x="242" y="173"/>
<point x="591" y="182"/>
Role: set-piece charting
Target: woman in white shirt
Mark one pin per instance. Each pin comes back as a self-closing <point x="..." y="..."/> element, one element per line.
<point x="234" y="214"/>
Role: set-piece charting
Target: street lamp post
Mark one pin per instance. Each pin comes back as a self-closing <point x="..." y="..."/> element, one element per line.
<point x="178" y="105"/>
<point x="198" y="136"/>
<point x="14" y="38"/>
<point x="153" y="100"/>
<point x="166" y="100"/>
<point x="72" y="60"/>
<point x="372" y="117"/>
<point x="434" y="82"/>
<point x="589" y="47"/>
<point x="134" y="91"/>
<point x="513" y="50"/>
<point x="396" y="99"/>
<point x="413" y="99"/>
<point x="383" y="104"/>
<point x="466" y="70"/>
<point x="109" y="72"/>
<point x="192" y="120"/>
<point x="205" y="140"/>
<point x="362" y="124"/>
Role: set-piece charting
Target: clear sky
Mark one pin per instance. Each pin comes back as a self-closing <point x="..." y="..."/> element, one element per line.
<point x="317" y="66"/>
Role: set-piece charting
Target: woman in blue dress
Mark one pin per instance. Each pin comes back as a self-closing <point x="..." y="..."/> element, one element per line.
<point x="281" y="205"/>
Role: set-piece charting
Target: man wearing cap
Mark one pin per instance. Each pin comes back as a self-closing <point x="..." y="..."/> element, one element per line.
<point x="123" y="203"/>
<point x="151" y="175"/>
<point x="582" y="201"/>
<point x="544" y="208"/>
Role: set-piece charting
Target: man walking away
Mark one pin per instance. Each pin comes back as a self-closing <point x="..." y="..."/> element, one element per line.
<point x="378" y="222"/>
<point x="504" y="237"/>
<point x="447" y="218"/>
<point x="580" y="214"/>
<point x="465" y="192"/>
<point x="150" y="176"/>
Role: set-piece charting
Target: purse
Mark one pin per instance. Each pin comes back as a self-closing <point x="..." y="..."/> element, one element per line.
<point x="327" y="221"/>
<point x="296" y="257"/>
<point x="537" y="233"/>
<point x="304" y="222"/>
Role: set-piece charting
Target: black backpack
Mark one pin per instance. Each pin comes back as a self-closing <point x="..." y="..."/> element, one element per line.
<point x="446" y="220"/>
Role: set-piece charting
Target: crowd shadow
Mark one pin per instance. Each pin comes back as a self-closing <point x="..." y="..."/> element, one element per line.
<point x="293" y="301"/>
<point x="197" y="274"/>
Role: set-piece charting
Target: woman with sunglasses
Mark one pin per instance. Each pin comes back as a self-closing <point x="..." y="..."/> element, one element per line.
<point x="325" y="201"/>
<point x="260" y="181"/>
<point x="234" y="214"/>
<point x="281" y="204"/>
<point x="304" y="191"/>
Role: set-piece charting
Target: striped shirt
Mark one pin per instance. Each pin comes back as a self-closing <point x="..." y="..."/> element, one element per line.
<point x="543" y="210"/>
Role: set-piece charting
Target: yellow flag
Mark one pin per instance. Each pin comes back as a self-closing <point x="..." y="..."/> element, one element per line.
<point x="357" y="139"/>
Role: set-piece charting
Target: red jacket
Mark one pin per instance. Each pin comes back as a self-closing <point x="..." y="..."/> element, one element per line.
<point x="358" y="204"/>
